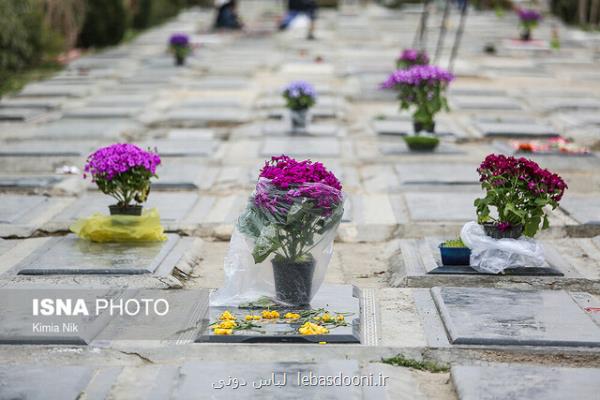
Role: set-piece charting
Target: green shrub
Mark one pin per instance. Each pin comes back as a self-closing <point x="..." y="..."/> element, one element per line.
<point x="421" y="143"/>
<point x="153" y="12"/>
<point x="25" y="38"/>
<point x="105" y="23"/>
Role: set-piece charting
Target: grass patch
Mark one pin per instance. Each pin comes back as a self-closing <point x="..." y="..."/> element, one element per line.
<point x="401" y="361"/>
<point x="14" y="82"/>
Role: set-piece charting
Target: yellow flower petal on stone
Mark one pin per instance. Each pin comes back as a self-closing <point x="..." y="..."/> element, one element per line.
<point x="220" y="331"/>
<point x="227" y="324"/>
<point x="326" y="317"/>
<point x="340" y="318"/>
<point x="310" y="328"/>
<point x="256" y="317"/>
<point x="227" y="316"/>
<point x="250" y="317"/>
<point x="291" y="316"/>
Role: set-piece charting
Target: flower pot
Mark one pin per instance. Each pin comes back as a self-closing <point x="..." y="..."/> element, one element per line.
<point x="421" y="143"/>
<point x="492" y="230"/>
<point x="293" y="280"/>
<point x="420" y="127"/>
<point x="526" y="35"/>
<point x="127" y="210"/>
<point x="299" y="119"/>
<point x="179" y="60"/>
<point x="455" y="255"/>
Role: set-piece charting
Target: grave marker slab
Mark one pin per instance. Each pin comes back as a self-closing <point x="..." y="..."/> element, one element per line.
<point x="400" y="147"/>
<point x="567" y="104"/>
<point x="35" y="382"/>
<point x="82" y="129"/>
<point x="481" y="316"/>
<point x="50" y="148"/>
<point x="54" y="90"/>
<point x="21" y="182"/>
<point x="399" y="126"/>
<point x="202" y="377"/>
<point x="71" y="255"/>
<point x="201" y="117"/>
<point x="515" y="381"/>
<point x="182" y="148"/>
<point x="191" y="134"/>
<point x="338" y="298"/>
<point x="311" y="130"/>
<point x="177" y="175"/>
<point x="585" y="209"/>
<point x="437" y="174"/>
<point x="484" y="103"/>
<point x="100" y="112"/>
<point x="20" y="114"/>
<point x="515" y="129"/>
<point x="301" y="147"/>
<point x="446" y="206"/>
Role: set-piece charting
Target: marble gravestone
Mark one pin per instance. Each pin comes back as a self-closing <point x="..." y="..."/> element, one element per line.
<point x="333" y="298"/>
<point x="71" y="255"/>
<point x="585" y="209"/>
<point x="436" y="174"/>
<point x="301" y="147"/>
<point x="507" y="317"/>
<point x="517" y="381"/>
<point x="36" y="382"/>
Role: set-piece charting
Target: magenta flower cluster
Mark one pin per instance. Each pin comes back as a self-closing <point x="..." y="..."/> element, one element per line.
<point x="179" y="39"/>
<point x="111" y="161"/>
<point x="285" y="181"/>
<point x="529" y="15"/>
<point x="414" y="56"/>
<point x="416" y="76"/>
<point x="500" y="169"/>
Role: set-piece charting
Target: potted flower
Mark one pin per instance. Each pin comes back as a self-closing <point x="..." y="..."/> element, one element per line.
<point x="123" y="171"/>
<point x="520" y="192"/>
<point x="422" y="88"/>
<point x="299" y="97"/>
<point x="292" y="217"/>
<point x="179" y="45"/>
<point x="454" y="252"/>
<point x="529" y="19"/>
<point x="411" y="57"/>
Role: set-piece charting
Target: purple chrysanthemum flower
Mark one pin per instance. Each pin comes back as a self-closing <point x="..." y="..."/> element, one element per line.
<point x="529" y="15"/>
<point x="299" y="88"/>
<point x="414" y="56"/>
<point x="416" y="76"/>
<point x="179" y="39"/>
<point x="108" y="162"/>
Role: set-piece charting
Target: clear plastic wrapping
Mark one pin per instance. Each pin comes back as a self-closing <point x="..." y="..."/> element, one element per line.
<point x="495" y="255"/>
<point x="282" y="244"/>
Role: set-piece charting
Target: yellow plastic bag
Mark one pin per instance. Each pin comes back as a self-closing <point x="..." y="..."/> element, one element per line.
<point x="121" y="228"/>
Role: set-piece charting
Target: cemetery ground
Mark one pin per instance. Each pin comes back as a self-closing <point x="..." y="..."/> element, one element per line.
<point x="215" y="120"/>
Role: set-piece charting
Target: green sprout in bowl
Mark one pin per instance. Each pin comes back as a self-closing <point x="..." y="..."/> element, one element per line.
<point x="453" y="243"/>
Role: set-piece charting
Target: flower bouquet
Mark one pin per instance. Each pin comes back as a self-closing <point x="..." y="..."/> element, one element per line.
<point x="299" y="97"/>
<point x="179" y="45"/>
<point x="421" y="87"/>
<point x="123" y="171"/>
<point x="529" y="19"/>
<point x="411" y="57"/>
<point x="291" y="220"/>
<point x="519" y="190"/>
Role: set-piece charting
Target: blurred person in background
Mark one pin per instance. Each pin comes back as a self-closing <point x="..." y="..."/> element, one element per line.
<point x="301" y="7"/>
<point x="227" y="16"/>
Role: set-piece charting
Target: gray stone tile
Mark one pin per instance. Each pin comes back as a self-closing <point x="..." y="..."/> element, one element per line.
<point x="34" y="382"/>
<point x="21" y="114"/>
<point x="480" y="316"/>
<point x="182" y="148"/>
<point x="202" y="117"/>
<point x="400" y="147"/>
<point x="567" y="104"/>
<point x="82" y="129"/>
<point x="446" y="206"/>
<point x="313" y="129"/>
<point x="71" y="255"/>
<point x="515" y="129"/>
<point x="191" y="134"/>
<point x="15" y="207"/>
<point x="484" y="103"/>
<point x="219" y="83"/>
<point x="51" y="148"/>
<point x="400" y="126"/>
<point x="517" y="381"/>
<point x="102" y="112"/>
<point x="301" y="146"/>
<point x="585" y="209"/>
<point x="21" y="215"/>
<point x="184" y="175"/>
<point x="45" y="103"/>
<point x="204" y="378"/>
<point x="437" y="174"/>
<point x="23" y="182"/>
<point x="120" y="100"/>
<point x="54" y="90"/>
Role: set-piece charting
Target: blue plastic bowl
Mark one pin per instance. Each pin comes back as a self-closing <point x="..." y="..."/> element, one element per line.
<point x="455" y="255"/>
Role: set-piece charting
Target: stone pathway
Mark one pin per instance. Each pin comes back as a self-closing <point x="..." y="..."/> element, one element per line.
<point x="215" y="120"/>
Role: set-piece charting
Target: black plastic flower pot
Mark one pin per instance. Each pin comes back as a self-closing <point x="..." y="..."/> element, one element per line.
<point x="127" y="210"/>
<point x="293" y="281"/>
<point x="493" y="231"/>
<point x="422" y="143"/>
<point x="455" y="255"/>
<point x="526" y="35"/>
<point x="179" y="60"/>
<point x="299" y="119"/>
<point x="420" y="127"/>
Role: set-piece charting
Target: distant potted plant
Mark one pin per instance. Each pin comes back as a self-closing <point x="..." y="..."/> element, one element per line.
<point x="123" y="171"/>
<point x="299" y="97"/>
<point x="520" y="191"/>
<point x="421" y="87"/>
<point x="179" y="45"/>
<point x="454" y="252"/>
<point x="411" y="57"/>
<point x="292" y="217"/>
<point x="529" y="20"/>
